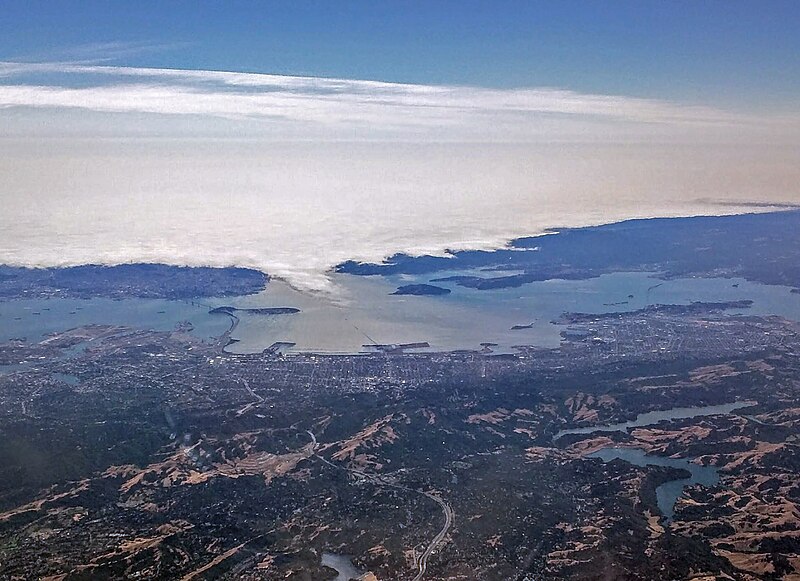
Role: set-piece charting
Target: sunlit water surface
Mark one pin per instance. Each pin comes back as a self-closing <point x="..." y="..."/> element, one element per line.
<point x="367" y="313"/>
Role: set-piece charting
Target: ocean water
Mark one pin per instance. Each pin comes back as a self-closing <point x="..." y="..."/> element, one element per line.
<point x="34" y="319"/>
<point x="365" y="312"/>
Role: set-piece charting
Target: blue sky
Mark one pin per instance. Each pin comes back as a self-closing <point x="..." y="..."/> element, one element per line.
<point x="732" y="54"/>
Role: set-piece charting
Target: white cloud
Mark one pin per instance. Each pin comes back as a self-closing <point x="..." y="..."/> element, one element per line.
<point x="335" y="104"/>
<point x="306" y="192"/>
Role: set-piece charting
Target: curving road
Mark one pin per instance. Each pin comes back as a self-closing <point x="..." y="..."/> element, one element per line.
<point x="449" y="515"/>
<point x="422" y="563"/>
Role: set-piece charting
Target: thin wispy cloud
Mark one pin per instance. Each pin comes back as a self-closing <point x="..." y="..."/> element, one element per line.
<point x="331" y="103"/>
<point x="98" y="52"/>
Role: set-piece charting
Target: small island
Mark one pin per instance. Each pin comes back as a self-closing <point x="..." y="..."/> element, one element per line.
<point x="421" y="290"/>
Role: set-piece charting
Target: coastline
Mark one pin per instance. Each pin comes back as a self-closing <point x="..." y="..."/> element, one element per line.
<point x="316" y="279"/>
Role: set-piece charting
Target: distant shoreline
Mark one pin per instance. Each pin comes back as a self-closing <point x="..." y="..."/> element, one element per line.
<point x="761" y="247"/>
<point x="116" y="280"/>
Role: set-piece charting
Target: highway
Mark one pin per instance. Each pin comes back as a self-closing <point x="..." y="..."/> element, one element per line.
<point x="252" y="404"/>
<point x="449" y="515"/>
<point x="422" y="563"/>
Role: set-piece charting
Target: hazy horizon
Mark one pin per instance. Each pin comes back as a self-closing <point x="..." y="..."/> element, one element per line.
<point x="254" y="144"/>
<point x="295" y="210"/>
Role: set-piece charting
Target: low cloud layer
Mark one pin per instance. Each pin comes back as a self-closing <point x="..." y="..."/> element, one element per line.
<point x="294" y="174"/>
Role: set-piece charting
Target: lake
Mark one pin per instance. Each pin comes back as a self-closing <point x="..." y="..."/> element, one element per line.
<point x="667" y="493"/>
<point x="652" y="418"/>
<point x="343" y="565"/>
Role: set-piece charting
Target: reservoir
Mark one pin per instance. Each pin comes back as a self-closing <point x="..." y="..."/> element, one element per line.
<point x="652" y="418"/>
<point x="668" y="493"/>
<point x="344" y="567"/>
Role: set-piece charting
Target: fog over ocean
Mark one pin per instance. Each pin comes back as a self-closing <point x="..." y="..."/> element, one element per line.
<point x="292" y="175"/>
<point x="296" y="209"/>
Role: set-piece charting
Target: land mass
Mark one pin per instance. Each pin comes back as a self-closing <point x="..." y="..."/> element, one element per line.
<point x="152" y="281"/>
<point x="421" y="289"/>
<point x="167" y="457"/>
<point x="762" y="247"/>
<point x="690" y="309"/>
<point x="759" y="247"/>
<point x="139" y="453"/>
<point x="257" y="311"/>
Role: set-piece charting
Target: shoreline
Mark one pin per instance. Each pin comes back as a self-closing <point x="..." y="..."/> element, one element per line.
<point x="443" y="250"/>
